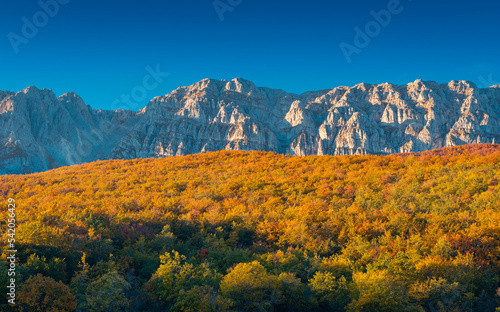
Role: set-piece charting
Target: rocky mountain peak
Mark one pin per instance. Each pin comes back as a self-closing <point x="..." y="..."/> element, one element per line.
<point x="72" y="100"/>
<point x="32" y="92"/>
<point x="240" y="85"/>
<point x="30" y="89"/>
<point x="463" y="87"/>
<point x="45" y="131"/>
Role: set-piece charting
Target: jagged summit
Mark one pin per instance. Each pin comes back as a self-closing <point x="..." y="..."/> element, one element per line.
<point x="31" y="89"/>
<point x="39" y="131"/>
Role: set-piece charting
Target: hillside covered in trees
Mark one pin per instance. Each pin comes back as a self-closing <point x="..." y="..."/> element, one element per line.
<point x="256" y="231"/>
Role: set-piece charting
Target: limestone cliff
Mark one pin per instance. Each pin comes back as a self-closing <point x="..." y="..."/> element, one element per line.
<point x="39" y="131"/>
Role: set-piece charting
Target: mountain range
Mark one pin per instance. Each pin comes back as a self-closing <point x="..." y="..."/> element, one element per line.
<point x="39" y="131"/>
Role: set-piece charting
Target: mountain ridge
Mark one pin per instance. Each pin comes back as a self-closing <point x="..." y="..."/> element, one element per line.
<point x="40" y="131"/>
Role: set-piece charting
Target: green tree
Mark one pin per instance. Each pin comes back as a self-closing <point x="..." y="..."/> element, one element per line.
<point x="79" y="284"/>
<point x="250" y="287"/>
<point x="329" y="291"/>
<point x="108" y="293"/>
<point x="376" y="291"/>
<point x="437" y="294"/>
<point x="201" y="299"/>
<point x="290" y="293"/>
<point x="55" y="267"/>
<point x="175" y="276"/>
<point x="44" y="294"/>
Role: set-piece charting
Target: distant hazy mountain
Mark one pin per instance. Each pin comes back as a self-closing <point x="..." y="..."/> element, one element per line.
<point x="39" y="131"/>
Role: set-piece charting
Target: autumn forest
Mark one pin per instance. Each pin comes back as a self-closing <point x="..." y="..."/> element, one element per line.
<point x="257" y="231"/>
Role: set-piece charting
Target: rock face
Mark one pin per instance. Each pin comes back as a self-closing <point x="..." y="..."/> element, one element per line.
<point x="39" y="131"/>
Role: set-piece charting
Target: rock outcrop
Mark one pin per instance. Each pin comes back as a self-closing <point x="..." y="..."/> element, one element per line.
<point x="39" y="131"/>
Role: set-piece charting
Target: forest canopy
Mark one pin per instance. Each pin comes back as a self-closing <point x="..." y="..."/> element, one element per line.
<point x="257" y="231"/>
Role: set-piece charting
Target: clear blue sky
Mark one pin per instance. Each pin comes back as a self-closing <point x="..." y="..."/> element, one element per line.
<point x="100" y="49"/>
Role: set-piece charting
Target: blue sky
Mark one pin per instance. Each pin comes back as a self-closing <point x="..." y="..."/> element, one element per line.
<point x="101" y="49"/>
